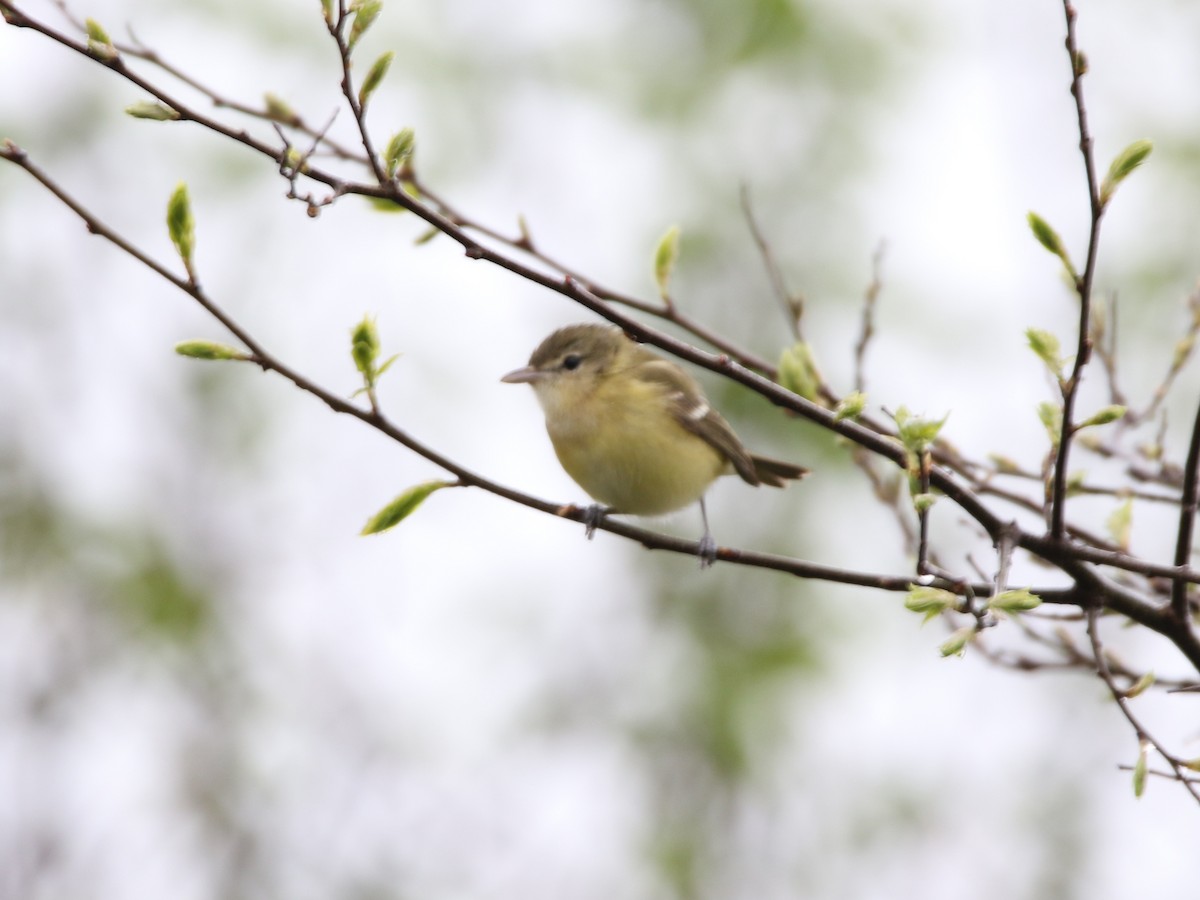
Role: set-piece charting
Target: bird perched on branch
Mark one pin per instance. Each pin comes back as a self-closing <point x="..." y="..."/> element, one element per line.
<point x="635" y="430"/>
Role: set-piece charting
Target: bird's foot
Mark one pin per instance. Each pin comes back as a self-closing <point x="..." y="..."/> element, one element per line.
<point x="707" y="551"/>
<point x="593" y="516"/>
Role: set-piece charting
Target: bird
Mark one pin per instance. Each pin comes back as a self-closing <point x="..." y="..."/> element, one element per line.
<point x="635" y="430"/>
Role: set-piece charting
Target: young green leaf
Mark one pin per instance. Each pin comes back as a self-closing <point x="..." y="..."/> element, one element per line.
<point x="1139" y="686"/>
<point x="1127" y="160"/>
<point x="365" y="13"/>
<point x="1051" y="416"/>
<point x="665" y="257"/>
<point x="1120" y="524"/>
<point x="1102" y="417"/>
<point x="1015" y="601"/>
<point x="364" y="347"/>
<point x="181" y="226"/>
<point x="929" y="601"/>
<point x="917" y="434"/>
<point x="208" y="350"/>
<point x="1075" y="482"/>
<point x="798" y="371"/>
<point x="1004" y="464"/>
<point x="374" y="76"/>
<point x="1048" y="350"/>
<point x="327" y="11"/>
<point x="399" y="150"/>
<point x="922" y="503"/>
<point x="99" y="44"/>
<point x="1140" y="768"/>
<point x="156" y="112"/>
<point x="956" y="644"/>
<point x="402" y="507"/>
<point x="278" y="109"/>
<point x="851" y="407"/>
<point x="1049" y="239"/>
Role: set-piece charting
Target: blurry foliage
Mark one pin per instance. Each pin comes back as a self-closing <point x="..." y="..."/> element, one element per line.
<point x="121" y="574"/>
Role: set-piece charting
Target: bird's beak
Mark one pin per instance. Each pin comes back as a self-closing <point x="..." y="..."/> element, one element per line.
<point x="527" y="375"/>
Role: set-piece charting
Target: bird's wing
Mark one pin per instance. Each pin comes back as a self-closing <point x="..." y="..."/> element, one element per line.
<point x="691" y="409"/>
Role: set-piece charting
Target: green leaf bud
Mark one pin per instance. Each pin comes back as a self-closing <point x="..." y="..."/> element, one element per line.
<point x="1103" y="417"/>
<point x="956" y="644"/>
<point x="278" y="109"/>
<point x="1047" y="348"/>
<point x="1051" y="416"/>
<point x="929" y="601"/>
<point x="798" y="371"/>
<point x="402" y="507"/>
<point x="851" y="407"/>
<point x="181" y="226"/>
<point x="364" y="346"/>
<point x="922" y="503"/>
<point x="365" y="13"/>
<point x="156" y="112"/>
<point x="399" y="150"/>
<point x="1139" y="686"/>
<point x="1049" y="239"/>
<point x="374" y="76"/>
<point x="1141" y="768"/>
<point x="1017" y="601"/>
<point x="208" y="350"/>
<point x="665" y="257"/>
<point x="1127" y="160"/>
<point x="99" y="44"/>
<point x="1120" y="524"/>
<point x="917" y="434"/>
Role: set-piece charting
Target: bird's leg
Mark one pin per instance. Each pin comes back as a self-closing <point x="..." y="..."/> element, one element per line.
<point x="708" y="545"/>
<point x="593" y="516"/>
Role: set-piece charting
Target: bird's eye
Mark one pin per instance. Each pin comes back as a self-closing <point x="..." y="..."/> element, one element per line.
<point x="572" y="361"/>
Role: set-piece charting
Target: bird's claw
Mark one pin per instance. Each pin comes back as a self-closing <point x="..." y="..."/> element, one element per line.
<point x="592" y="517"/>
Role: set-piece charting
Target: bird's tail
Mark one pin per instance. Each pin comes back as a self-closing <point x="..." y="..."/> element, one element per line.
<point x="776" y="472"/>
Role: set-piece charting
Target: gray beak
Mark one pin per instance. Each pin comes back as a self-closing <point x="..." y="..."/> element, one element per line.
<point x="527" y="375"/>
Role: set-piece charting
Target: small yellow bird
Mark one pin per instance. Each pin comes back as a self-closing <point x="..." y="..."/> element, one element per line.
<point x="635" y="430"/>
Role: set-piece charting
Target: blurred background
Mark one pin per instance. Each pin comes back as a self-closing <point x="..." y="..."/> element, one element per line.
<point x="211" y="686"/>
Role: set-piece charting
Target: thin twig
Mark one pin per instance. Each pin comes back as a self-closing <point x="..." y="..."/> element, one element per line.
<point x="1083" y="284"/>
<point x="1187" y="521"/>
<point x="1178" y="766"/>
<point x="792" y="305"/>
<point x="867" y="329"/>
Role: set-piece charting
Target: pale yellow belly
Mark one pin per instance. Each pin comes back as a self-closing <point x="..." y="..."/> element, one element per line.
<point x="645" y="471"/>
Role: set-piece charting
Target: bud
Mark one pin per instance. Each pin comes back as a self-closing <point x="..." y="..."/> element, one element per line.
<point x="1139" y="686"/>
<point x="181" y="226"/>
<point x="851" y="407"/>
<point x="364" y="346"/>
<point x="1127" y="160"/>
<point x="665" y="257"/>
<point x="403" y="506"/>
<point x="1047" y="348"/>
<point x="156" y="112"/>
<point x="1048" y="238"/>
<point x="956" y="644"/>
<point x="365" y="13"/>
<point x="1103" y="417"/>
<point x="1140" y="768"/>
<point x="399" y="150"/>
<point x="99" y="44"/>
<point x="798" y="371"/>
<point x="374" y="77"/>
<point x="208" y="350"/>
<point x="930" y="601"/>
<point x="1015" y="601"/>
